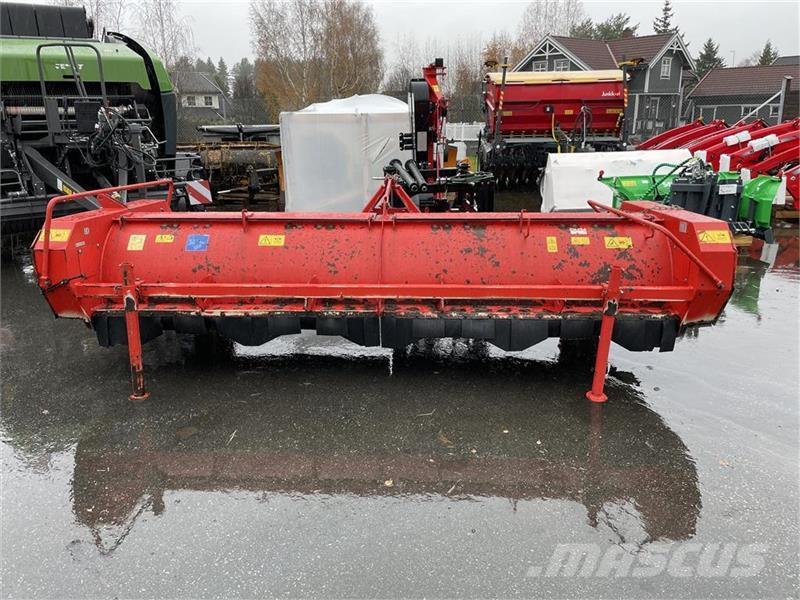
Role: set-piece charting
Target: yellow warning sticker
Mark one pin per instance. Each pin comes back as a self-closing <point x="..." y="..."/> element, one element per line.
<point x="136" y="241"/>
<point x="59" y="235"/>
<point x="618" y="242"/>
<point x="613" y="111"/>
<point x="715" y="236"/>
<point x="569" y="111"/>
<point x="628" y="183"/>
<point x="507" y="113"/>
<point x="266" y="239"/>
<point x="165" y="238"/>
<point x="579" y="240"/>
<point x="552" y="244"/>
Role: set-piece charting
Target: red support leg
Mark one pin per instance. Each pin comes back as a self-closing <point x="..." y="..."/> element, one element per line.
<point x="134" y="337"/>
<point x="610" y="306"/>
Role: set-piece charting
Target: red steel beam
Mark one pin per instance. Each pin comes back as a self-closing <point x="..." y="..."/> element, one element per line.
<point x="142" y="259"/>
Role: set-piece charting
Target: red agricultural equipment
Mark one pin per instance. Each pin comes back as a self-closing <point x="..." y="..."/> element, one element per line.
<point x="529" y="115"/>
<point x="766" y="146"/>
<point x="728" y="140"/>
<point x="681" y="137"/>
<point x="385" y="276"/>
<point x="432" y="177"/>
<point x="793" y="187"/>
<point x="651" y="143"/>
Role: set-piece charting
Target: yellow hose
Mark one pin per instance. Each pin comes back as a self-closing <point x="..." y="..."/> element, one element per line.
<point x="553" y="131"/>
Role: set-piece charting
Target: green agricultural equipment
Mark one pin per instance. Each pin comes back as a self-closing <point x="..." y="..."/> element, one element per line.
<point x="745" y="205"/>
<point x="77" y="113"/>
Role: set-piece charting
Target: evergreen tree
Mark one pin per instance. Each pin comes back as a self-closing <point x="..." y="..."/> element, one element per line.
<point x="222" y="78"/>
<point x="210" y="68"/>
<point x="244" y="79"/>
<point x="583" y="29"/>
<point x="615" y="27"/>
<point x="663" y="24"/>
<point x="709" y="58"/>
<point x="768" y="54"/>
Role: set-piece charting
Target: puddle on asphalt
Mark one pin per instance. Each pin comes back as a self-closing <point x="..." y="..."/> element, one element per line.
<point x="336" y="449"/>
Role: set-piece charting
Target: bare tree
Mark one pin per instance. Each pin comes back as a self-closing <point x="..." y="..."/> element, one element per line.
<point x="500" y="45"/>
<point x="350" y="48"/>
<point x="548" y="17"/>
<point x="406" y="63"/>
<point x="310" y="51"/>
<point x="105" y="14"/>
<point x="115" y="15"/>
<point x="286" y="38"/>
<point x="164" y="31"/>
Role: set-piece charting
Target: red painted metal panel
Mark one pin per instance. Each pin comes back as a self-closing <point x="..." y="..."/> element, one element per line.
<point x="681" y="137"/>
<point x="652" y="142"/>
<point x="525" y="106"/>
<point x="143" y="258"/>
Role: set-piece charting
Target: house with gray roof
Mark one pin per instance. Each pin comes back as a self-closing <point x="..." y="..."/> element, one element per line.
<point x="658" y="66"/>
<point x="735" y="92"/>
<point x="200" y="97"/>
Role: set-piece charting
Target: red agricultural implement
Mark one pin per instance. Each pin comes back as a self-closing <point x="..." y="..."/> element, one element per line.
<point x="683" y="136"/>
<point x="386" y="276"/>
<point x="711" y="147"/>
<point x="793" y="187"/>
<point x="774" y="150"/>
<point x="651" y="143"/>
<point x="529" y="115"/>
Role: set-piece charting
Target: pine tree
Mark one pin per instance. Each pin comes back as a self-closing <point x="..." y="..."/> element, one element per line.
<point x="663" y="24"/>
<point x="244" y="79"/>
<point x="615" y="27"/>
<point x="583" y="29"/>
<point x="709" y="58"/>
<point x="768" y="54"/>
<point x="222" y="77"/>
<point x="210" y="68"/>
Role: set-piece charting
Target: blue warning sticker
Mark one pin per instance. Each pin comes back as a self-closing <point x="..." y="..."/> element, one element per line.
<point x="197" y="242"/>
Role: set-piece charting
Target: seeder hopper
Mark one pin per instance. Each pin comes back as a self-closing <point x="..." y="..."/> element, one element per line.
<point x="387" y="276"/>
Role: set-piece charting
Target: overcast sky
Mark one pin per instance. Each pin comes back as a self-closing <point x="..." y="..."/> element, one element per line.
<point x="222" y="28"/>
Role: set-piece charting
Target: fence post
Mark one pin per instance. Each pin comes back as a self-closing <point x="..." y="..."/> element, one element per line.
<point x="787" y="82"/>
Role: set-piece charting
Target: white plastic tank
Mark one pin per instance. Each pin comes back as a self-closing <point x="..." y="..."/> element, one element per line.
<point x="332" y="151"/>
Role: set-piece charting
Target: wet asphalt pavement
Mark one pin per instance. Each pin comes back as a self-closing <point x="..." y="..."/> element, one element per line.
<point x="311" y="467"/>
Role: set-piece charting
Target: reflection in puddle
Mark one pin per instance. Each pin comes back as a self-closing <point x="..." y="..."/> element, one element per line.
<point x="435" y="431"/>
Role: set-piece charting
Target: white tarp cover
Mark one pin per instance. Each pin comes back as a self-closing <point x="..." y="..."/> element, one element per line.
<point x="569" y="180"/>
<point x="332" y="150"/>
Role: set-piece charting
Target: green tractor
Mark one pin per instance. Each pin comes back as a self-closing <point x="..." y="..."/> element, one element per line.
<point x="77" y="113"/>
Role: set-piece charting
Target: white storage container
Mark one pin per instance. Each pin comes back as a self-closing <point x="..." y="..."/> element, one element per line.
<point x="569" y="180"/>
<point x="333" y="150"/>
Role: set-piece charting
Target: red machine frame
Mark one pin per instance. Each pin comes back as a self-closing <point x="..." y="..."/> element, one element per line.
<point x="656" y="262"/>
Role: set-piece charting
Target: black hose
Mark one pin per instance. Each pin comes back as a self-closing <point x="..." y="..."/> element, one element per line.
<point x="413" y="169"/>
<point x="404" y="175"/>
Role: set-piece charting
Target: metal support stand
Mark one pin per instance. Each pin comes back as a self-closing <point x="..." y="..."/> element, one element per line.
<point x="610" y="307"/>
<point x="134" y="338"/>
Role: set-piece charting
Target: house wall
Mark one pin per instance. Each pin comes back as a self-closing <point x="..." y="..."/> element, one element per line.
<point x="730" y="108"/>
<point x="671" y="85"/>
<point x="659" y="104"/>
<point x="551" y="59"/>
<point x="199" y="99"/>
<point x="636" y="81"/>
